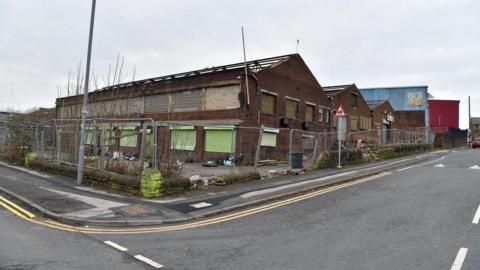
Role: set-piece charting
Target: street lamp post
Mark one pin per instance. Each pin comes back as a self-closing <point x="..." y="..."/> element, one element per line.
<point x="81" y="149"/>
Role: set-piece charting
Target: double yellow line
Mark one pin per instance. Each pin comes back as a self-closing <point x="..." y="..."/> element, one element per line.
<point x="209" y="221"/>
<point x="17" y="210"/>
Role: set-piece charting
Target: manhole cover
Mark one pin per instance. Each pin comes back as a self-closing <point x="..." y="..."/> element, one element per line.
<point x="135" y="210"/>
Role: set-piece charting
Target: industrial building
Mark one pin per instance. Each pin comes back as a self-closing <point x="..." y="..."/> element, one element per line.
<point x="444" y="114"/>
<point x="215" y="105"/>
<point x="353" y="104"/>
<point x="382" y="114"/>
<point x="409" y="102"/>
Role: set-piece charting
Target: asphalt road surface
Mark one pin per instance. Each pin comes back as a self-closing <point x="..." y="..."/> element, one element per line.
<point x="419" y="217"/>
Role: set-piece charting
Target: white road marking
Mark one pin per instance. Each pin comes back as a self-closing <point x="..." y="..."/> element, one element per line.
<point x="457" y="264"/>
<point x="439" y="166"/>
<point x="115" y="245"/>
<point x="421" y="164"/>
<point x="165" y="200"/>
<point x="148" y="261"/>
<point x="475" y="167"/>
<point x="89" y="189"/>
<point x="201" y="205"/>
<point x="102" y="207"/>
<point x="476" y="218"/>
<point x="271" y="190"/>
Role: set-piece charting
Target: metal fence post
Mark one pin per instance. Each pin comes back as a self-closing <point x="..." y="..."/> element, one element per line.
<point x="154" y="145"/>
<point x="94" y="142"/>
<point x="42" y="142"/>
<point x="290" y="146"/>
<point x="259" y="144"/>
<point x="36" y="138"/>
<point x="102" y="148"/>
<point x="324" y="140"/>
<point x="339" y="166"/>
<point x="315" y="150"/>
<point x="379" y="137"/>
<point x="58" y="143"/>
<point x="142" y="145"/>
<point x="232" y="142"/>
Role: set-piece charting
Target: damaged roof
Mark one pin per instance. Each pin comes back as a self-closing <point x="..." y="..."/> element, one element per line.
<point x="253" y="65"/>
<point x="333" y="90"/>
<point x="372" y="104"/>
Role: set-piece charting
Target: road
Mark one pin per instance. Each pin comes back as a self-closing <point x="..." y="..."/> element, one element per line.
<point x="418" y="217"/>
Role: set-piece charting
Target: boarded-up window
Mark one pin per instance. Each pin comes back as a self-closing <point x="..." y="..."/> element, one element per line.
<point x="186" y="101"/>
<point x="269" y="103"/>
<point x="321" y="113"/>
<point x="183" y="138"/>
<point x="157" y="103"/>
<point x="291" y="109"/>
<point x="128" y="138"/>
<point x="353" y="123"/>
<point x="222" y="98"/>
<point x="269" y="137"/>
<point x="365" y="123"/>
<point x="309" y="113"/>
<point x="220" y="140"/>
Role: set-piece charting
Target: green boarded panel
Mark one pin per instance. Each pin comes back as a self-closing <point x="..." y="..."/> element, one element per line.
<point x="183" y="139"/>
<point x="269" y="139"/>
<point x="128" y="138"/>
<point x="220" y="141"/>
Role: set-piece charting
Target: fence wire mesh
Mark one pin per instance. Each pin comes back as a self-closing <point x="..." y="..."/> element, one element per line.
<point x="127" y="145"/>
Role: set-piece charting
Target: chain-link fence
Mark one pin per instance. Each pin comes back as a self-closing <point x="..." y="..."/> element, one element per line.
<point x="127" y="145"/>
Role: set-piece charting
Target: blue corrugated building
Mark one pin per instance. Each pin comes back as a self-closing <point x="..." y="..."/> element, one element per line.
<point x="403" y="98"/>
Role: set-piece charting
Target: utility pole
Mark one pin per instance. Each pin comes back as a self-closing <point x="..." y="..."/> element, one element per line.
<point x="246" y="68"/>
<point x="469" y="116"/>
<point x="81" y="149"/>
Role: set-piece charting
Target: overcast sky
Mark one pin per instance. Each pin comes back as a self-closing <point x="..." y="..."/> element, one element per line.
<point x="367" y="42"/>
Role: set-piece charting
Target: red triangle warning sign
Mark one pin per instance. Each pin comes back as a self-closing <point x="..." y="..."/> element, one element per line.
<point x="340" y="112"/>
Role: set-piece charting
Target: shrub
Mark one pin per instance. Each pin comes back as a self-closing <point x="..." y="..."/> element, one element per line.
<point x="240" y="177"/>
<point x="176" y="185"/>
<point x="92" y="176"/>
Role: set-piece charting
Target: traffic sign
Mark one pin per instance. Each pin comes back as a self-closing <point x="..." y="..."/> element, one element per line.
<point x="340" y="112"/>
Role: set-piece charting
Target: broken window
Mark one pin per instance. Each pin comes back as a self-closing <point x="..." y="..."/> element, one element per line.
<point x="354" y="100"/>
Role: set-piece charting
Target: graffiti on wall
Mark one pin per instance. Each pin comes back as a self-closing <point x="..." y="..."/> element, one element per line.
<point x="414" y="99"/>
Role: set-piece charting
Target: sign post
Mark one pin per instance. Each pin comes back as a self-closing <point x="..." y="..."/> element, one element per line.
<point x="341" y="132"/>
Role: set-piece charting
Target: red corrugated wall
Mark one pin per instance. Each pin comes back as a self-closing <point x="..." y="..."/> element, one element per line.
<point x="444" y="113"/>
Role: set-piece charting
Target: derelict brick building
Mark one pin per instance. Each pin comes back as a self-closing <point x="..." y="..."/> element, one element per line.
<point x="214" y="106"/>
<point x="352" y="102"/>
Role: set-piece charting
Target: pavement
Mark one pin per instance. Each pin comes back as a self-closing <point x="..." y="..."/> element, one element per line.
<point x="417" y="216"/>
<point x="59" y="198"/>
